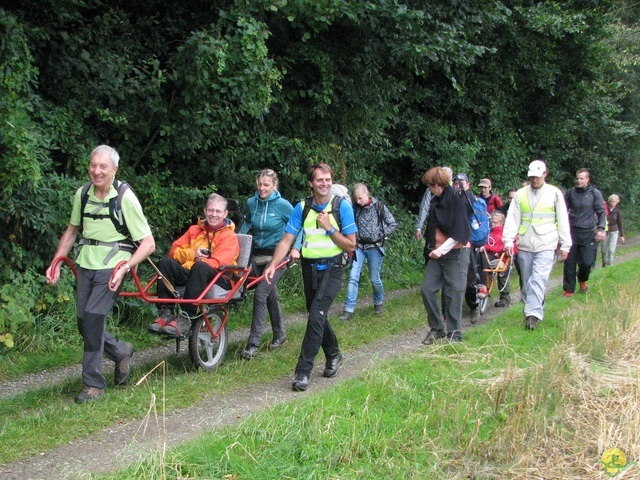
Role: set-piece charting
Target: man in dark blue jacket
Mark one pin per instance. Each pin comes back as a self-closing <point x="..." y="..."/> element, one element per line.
<point x="587" y="220"/>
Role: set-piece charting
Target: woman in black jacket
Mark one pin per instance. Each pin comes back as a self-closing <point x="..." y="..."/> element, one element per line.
<point x="447" y="255"/>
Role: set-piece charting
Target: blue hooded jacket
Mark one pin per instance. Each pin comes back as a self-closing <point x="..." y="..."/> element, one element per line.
<point x="266" y="219"/>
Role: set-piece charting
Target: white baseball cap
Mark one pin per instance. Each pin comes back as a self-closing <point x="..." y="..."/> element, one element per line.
<point x="537" y="168"/>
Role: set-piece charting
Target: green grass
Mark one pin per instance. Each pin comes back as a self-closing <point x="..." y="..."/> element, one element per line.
<point x="404" y="419"/>
<point x="441" y="412"/>
<point x="37" y="426"/>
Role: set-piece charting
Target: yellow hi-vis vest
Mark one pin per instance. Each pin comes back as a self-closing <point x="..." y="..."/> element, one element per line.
<point x="317" y="244"/>
<point x="543" y="217"/>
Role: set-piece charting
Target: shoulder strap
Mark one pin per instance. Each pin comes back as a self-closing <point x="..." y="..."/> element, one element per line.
<point x="115" y="209"/>
<point x="335" y="209"/>
<point x="84" y="198"/>
<point x="464" y="194"/>
<point x="307" y="208"/>
<point x="380" y="211"/>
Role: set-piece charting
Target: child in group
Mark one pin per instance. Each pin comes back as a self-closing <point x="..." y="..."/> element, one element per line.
<point x="375" y="222"/>
<point x="493" y="249"/>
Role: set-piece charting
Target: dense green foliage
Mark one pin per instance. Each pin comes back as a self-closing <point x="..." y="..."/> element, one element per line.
<point x="202" y="94"/>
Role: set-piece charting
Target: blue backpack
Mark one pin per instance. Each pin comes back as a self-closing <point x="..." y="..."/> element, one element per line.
<point x="480" y="222"/>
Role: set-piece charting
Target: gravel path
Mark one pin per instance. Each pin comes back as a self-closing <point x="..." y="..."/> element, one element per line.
<point x="120" y="444"/>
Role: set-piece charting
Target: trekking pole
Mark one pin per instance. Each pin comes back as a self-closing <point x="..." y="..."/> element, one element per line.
<point x="166" y="282"/>
<point x="486" y="255"/>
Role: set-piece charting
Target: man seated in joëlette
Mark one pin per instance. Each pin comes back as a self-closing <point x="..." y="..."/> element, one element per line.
<point x="193" y="262"/>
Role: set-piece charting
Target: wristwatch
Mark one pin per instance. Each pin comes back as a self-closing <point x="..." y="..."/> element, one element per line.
<point x="331" y="231"/>
<point x="126" y="265"/>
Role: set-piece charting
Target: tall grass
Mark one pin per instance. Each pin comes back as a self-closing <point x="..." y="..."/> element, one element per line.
<point x="507" y="403"/>
<point x="31" y="422"/>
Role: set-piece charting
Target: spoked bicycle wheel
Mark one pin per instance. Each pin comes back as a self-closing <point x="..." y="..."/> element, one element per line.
<point x="207" y="352"/>
<point x="483" y="304"/>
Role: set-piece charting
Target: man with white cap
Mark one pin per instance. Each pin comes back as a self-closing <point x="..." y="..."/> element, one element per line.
<point x="538" y="216"/>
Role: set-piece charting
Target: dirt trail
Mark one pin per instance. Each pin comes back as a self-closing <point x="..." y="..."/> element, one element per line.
<point x="123" y="443"/>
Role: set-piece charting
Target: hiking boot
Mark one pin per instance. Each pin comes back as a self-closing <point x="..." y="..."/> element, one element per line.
<point x="531" y="322"/>
<point x="474" y="315"/>
<point x="346" y="316"/>
<point x="123" y="367"/>
<point x="89" y="394"/>
<point x="331" y="366"/>
<point x="433" y="336"/>
<point x="165" y="316"/>
<point x="481" y="292"/>
<point x="300" y="383"/>
<point x="503" y="302"/>
<point x="178" y="327"/>
<point x="249" y="352"/>
<point x="278" y="342"/>
<point x="378" y="309"/>
<point x="567" y="294"/>
<point x="583" y="287"/>
<point x="454" y="337"/>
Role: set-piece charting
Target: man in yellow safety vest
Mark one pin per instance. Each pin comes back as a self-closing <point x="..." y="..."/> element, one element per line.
<point x="326" y="239"/>
<point x="538" y="216"/>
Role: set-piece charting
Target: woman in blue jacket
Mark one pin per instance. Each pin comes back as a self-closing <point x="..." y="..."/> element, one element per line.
<point x="266" y="215"/>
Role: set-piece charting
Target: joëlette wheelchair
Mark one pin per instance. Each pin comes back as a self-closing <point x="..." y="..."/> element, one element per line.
<point x="208" y="337"/>
<point x="500" y="266"/>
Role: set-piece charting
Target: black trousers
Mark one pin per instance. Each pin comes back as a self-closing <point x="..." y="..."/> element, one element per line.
<point x="582" y="255"/>
<point x="194" y="280"/>
<point x="320" y="291"/>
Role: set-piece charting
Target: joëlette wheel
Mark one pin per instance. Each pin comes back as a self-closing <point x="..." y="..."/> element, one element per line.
<point x="206" y="351"/>
<point x="483" y="304"/>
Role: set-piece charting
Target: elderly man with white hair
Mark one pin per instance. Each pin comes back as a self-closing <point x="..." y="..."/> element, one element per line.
<point x="110" y="248"/>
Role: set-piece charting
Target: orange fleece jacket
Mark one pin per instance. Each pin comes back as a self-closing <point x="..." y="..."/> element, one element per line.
<point x="223" y="244"/>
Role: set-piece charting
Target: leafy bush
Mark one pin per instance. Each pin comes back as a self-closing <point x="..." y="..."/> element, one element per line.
<point x="192" y="100"/>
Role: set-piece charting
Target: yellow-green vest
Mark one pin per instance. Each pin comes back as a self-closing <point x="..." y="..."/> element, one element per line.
<point x="543" y="217"/>
<point x="317" y="244"/>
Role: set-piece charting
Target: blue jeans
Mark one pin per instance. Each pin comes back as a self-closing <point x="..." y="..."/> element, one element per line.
<point x="374" y="257"/>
